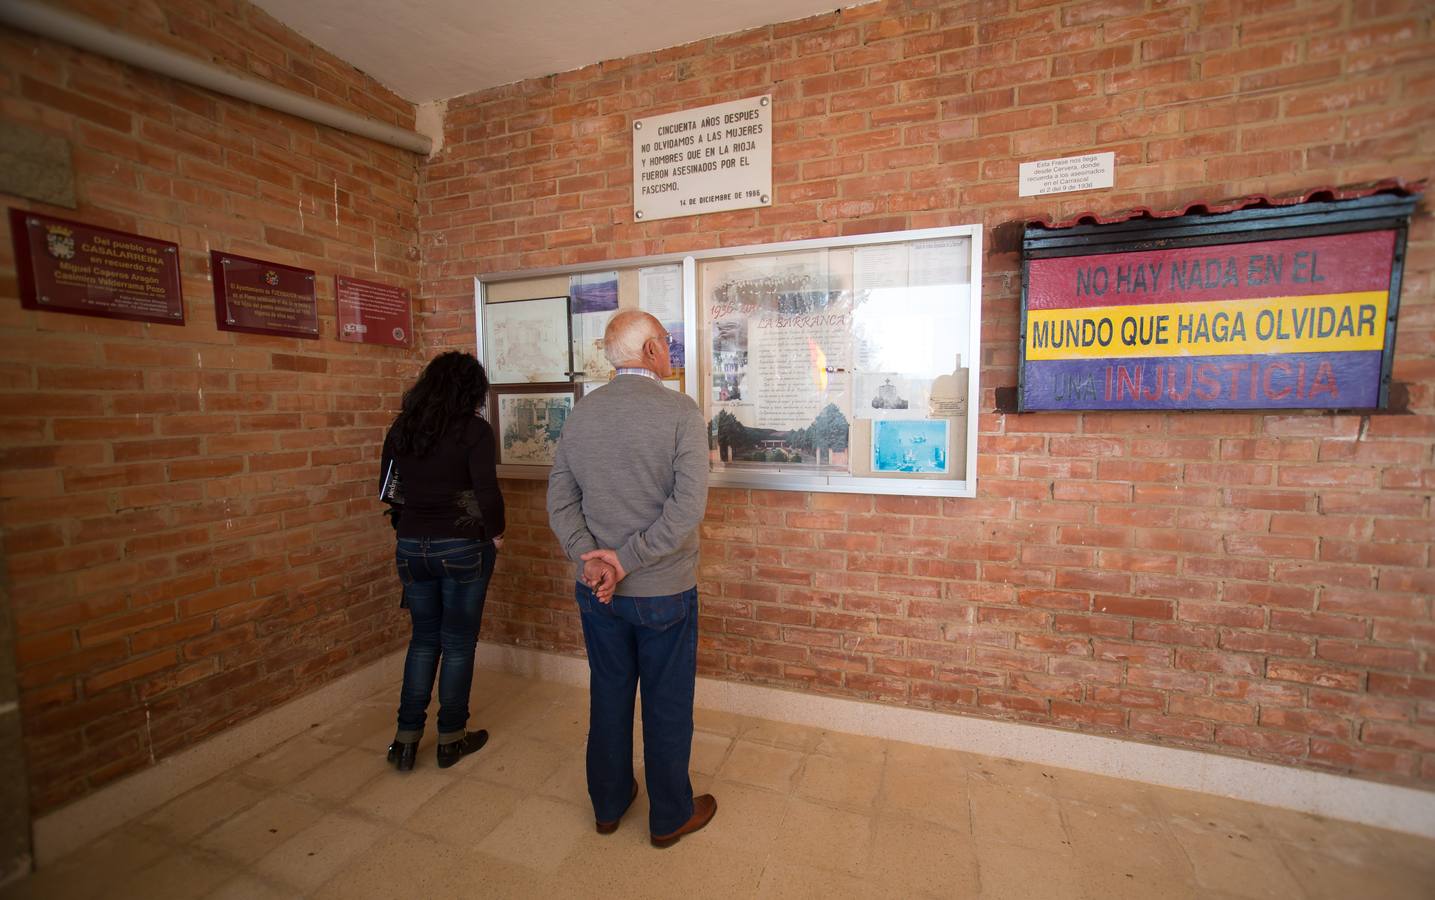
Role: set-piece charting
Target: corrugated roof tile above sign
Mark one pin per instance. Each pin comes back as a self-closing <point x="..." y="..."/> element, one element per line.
<point x="1211" y="207"/>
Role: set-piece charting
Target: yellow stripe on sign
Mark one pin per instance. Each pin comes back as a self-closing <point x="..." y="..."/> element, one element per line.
<point x="1321" y="323"/>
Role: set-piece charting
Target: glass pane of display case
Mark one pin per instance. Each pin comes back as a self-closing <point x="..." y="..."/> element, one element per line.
<point x="840" y="365"/>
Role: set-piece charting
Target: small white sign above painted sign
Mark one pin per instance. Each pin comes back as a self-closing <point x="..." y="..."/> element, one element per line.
<point x="1074" y="173"/>
<point x="709" y="159"/>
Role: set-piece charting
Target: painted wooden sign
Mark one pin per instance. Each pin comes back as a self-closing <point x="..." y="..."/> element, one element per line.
<point x="1295" y="323"/>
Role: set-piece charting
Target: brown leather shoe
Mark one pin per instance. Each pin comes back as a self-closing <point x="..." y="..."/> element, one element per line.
<point x="704" y="808"/>
<point x="610" y="827"/>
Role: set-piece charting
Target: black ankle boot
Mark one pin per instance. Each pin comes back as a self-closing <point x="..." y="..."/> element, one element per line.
<point x="402" y="754"/>
<point x="452" y="752"/>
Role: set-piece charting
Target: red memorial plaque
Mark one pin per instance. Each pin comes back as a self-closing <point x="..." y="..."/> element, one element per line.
<point x="76" y="268"/>
<point x="372" y="313"/>
<point x="259" y="297"/>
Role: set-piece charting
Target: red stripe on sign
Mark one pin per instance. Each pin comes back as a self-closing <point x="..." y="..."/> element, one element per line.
<point x="1332" y="264"/>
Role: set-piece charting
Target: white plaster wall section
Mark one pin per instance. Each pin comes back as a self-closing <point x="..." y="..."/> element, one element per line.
<point x="428" y="121"/>
<point x="426" y="49"/>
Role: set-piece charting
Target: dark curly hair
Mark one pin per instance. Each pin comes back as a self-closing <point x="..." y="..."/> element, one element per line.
<point x="451" y="388"/>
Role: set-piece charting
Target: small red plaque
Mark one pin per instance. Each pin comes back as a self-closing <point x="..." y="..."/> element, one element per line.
<point x="260" y="297"/>
<point x="372" y="313"/>
<point x="71" y="267"/>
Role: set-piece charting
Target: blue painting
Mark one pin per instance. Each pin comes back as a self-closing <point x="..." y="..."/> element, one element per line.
<point x="910" y="445"/>
<point x="596" y="292"/>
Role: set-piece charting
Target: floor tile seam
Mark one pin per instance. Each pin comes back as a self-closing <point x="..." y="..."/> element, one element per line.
<point x="1285" y="851"/>
<point x="880" y="800"/>
<point x="978" y="866"/>
<point x="773" y="745"/>
<point x="1163" y="821"/>
<point x="284" y="887"/>
<point x="882" y="814"/>
<point x="564" y="799"/>
<point x="204" y="856"/>
<point x="1195" y="870"/>
<point x="234" y="777"/>
<point x="428" y="836"/>
<point x="799" y="772"/>
<point x="259" y="784"/>
<point x="153" y="833"/>
<point x="174" y="846"/>
<point x="1281" y="854"/>
<point x="1167" y="839"/>
<point x="341" y="807"/>
<point x="223" y="854"/>
<point x="1061" y="821"/>
<point x="492" y="782"/>
<point x="869" y="811"/>
<point x="726" y="754"/>
<point x="720" y="780"/>
<point x="327" y="804"/>
<point x="378" y="835"/>
<point x="753" y="785"/>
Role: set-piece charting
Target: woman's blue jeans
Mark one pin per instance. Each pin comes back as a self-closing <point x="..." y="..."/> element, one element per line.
<point x="445" y="581"/>
<point x="652" y="641"/>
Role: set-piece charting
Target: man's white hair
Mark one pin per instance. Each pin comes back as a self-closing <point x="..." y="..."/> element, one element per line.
<point x="623" y="338"/>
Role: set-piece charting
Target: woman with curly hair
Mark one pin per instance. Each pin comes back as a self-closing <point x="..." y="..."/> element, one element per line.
<point x="449" y="521"/>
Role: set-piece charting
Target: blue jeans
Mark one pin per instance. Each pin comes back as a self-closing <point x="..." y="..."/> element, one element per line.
<point x="445" y="581"/>
<point x="652" y="641"/>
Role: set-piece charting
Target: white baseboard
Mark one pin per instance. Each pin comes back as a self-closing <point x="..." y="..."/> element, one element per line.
<point x="1351" y="799"/>
<point x="1334" y="796"/>
<point x="71" y="827"/>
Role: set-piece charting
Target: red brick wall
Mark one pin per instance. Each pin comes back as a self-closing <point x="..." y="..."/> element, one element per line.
<point x="1250" y="584"/>
<point x="186" y="513"/>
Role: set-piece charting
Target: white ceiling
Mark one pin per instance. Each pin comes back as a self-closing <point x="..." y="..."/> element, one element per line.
<point x="435" y="49"/>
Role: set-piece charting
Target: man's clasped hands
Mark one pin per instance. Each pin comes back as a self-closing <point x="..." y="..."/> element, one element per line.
<point x="602" y="572"/>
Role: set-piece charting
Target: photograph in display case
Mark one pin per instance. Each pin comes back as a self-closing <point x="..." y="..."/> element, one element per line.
<point x="527" y="341"/>
<point x="891" y="395"/>
<point x="593" y="303"/>
<point x="660" y="292"/>
<point x="910" y="445"/>
<point x="779" y="353"/>
<point x="528" y="418"/>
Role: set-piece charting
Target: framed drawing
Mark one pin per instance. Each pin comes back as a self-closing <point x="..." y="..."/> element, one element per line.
<point x="527" y="341"/>
<point x="528" y="418"/>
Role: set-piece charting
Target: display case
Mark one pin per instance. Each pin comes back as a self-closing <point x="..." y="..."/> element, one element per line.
<point x="843" y="364"/>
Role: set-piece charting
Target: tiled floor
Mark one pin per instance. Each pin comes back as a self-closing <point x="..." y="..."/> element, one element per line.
<point x="801" y="813"/>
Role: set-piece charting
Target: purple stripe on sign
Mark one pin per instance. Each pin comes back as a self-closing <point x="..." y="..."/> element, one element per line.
<point x="1347" y="380"/>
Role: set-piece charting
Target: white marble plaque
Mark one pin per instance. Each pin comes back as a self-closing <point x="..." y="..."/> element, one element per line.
<point x="708" y="159"/>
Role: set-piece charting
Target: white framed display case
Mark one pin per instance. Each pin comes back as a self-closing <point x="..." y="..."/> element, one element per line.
<point x="840" y="364"/>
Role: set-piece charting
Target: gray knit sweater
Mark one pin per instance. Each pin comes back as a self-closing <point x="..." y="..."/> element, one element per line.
<point x="631" y="475"/>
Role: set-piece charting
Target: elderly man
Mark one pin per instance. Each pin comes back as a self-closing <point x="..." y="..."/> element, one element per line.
<point x="628" y="489"/>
